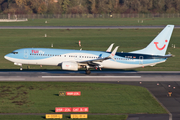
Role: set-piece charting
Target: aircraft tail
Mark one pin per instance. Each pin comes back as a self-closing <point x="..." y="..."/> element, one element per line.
<point x="160" y="43"/>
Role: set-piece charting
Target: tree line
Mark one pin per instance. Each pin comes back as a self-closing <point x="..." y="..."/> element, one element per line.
<point x="88" y="6"/>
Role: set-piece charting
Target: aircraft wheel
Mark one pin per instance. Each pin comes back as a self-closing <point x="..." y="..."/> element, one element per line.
<point x="88" y="72"/>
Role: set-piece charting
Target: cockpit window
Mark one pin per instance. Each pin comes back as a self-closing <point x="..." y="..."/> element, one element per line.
<point x="15" y="52"/>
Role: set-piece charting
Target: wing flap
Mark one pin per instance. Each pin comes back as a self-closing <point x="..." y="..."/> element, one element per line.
<point x="111" y="56"/>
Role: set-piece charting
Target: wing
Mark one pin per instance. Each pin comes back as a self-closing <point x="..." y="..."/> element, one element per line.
<point x="93" y="62"/>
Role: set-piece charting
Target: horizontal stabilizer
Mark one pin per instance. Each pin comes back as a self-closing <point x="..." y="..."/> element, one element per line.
<point x="167" y="56"/>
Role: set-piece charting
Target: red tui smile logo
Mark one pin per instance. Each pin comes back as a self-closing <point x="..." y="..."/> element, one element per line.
<point x="162" y="47"/>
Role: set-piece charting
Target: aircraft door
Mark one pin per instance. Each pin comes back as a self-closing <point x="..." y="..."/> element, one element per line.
<point x="140" y="60"/>
<point x="25" y="53"/>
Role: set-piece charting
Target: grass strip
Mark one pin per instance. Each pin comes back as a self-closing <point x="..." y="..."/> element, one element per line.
<point x="43" y="97"/>
<point x="96" y="22"/>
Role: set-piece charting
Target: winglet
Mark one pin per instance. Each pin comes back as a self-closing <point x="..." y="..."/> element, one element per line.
<point x="113" y="53"/>
<point x="110" y="47"/>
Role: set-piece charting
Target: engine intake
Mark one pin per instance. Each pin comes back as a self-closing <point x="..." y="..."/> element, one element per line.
<point x="69" y="66"/>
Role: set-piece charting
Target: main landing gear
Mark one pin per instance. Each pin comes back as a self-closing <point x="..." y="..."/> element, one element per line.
<point x="21" y="68"/>
<point x="88" y="72"/>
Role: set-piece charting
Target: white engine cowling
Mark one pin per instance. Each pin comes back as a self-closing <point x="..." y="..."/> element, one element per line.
<point x="69" y="66"/>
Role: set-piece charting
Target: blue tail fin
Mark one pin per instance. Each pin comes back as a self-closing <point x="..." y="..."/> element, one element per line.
<point x="160" y="44"/>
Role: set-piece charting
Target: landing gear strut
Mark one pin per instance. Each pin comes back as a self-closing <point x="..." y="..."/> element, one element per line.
<point x="88" y="72"/>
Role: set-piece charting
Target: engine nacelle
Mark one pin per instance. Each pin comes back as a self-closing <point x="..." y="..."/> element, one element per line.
<point x="69" y="66"/>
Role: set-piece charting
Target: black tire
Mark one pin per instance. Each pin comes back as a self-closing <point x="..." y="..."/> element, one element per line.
<point x="88" y="72"/>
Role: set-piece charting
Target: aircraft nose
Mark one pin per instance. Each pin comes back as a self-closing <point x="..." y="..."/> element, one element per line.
<point x="7" y="57"/>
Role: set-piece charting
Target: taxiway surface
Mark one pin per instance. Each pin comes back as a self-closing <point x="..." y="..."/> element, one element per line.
<point x="95" y="76"/>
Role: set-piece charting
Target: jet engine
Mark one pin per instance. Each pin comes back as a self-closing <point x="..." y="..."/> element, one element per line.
<point x="69" y="66"/>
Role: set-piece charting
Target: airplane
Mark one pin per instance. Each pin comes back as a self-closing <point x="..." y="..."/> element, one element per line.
<point x="73" y="60"/>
